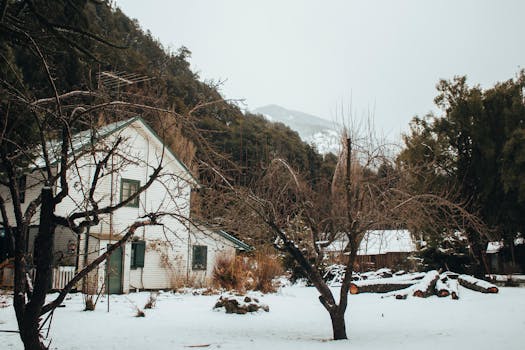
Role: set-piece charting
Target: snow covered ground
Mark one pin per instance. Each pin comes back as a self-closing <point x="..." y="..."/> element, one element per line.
<point x="296" y="321"/>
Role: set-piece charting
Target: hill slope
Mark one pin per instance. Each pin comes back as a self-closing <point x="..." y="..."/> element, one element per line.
<point x="313" y="130"/>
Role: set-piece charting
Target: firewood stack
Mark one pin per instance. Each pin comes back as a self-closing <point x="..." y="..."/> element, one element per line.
<point x="422" y="285"/>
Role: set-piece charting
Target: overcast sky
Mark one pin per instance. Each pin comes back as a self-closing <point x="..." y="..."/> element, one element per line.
<point x="321" y="56"/>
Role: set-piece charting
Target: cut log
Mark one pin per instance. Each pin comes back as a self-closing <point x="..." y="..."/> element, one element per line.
<point x="450" y="275"/>
<point x="453" y="286"/>
<point x="476" y="284"/>
<point x="426" y="286"/>
<point x="381" y="285"/>
<point x="403" y="293"/>
<point x="442" y="289"/>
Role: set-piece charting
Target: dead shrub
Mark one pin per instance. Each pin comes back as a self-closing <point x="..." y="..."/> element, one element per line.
<point x="90" y="292"/>
<point x="152" y="300"/>
<point x="179" y="282"/>
<point x="267" y="268"/>
<point x="243" y="273"/>
<point x="230" y="273"/>
<point x="140" y="313"/>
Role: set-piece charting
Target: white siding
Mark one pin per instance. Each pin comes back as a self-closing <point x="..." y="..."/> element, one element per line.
<point x="217" y="246"/>
<point x="168" y="246"/>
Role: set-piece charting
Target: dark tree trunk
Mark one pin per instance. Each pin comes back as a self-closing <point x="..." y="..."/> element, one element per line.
<point x="43" y="252"/>
<point x="476" y="248"/>
<point x="338" y="324"/>
<point x="30" y="334"/>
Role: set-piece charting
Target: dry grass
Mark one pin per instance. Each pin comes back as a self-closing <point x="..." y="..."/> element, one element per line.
<point x="267" y="268"/>
<point x="243" y="273"/>
<point x="91" y="292"/>
<point x="152" y="300"/>
<point x="230" y="273"/>
<point x="182" y="281"/>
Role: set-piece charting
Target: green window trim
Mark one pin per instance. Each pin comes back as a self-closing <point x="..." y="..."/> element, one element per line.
<point x="199" y="259"/>
<point x="138" y="252"/>
<point x="127" y="188"/>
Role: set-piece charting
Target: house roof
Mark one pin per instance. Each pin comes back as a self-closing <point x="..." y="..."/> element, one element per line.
<point x="377" y="242"/>
<point x="496" y="246"/>
<point x="200" y="226"/>
<point x="238" y="243"/>
<point x="84" y="139"/>
<point x="386" y="241"/>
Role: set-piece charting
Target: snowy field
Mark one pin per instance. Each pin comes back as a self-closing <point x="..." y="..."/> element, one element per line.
<point x="296" y="321"/>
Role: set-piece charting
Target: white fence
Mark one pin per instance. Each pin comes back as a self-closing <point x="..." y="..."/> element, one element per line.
<point x="62" y="275"/>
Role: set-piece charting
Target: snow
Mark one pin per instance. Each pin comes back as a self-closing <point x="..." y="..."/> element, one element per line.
<point x="504" y="278"/>
<point x="386" y="241"/>
<point x="296" y="321"/>
<point x="494" y="247"/>
<point x="478" y="282"/>
<point x="377" y="242"/>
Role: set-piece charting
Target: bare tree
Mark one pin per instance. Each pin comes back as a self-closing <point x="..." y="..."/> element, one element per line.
<point x="367" y="192"/>
<point x="66" y="140"/>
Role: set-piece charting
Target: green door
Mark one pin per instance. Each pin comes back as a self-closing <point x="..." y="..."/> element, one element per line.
<point x="114" y="273"/>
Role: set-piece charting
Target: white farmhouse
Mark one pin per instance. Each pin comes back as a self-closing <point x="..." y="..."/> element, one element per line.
<point x="158" y="257"/>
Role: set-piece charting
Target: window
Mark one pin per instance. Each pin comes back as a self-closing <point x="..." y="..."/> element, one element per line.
<point x="127" y="189"/>
<point x="22" y="188"/>
<point x="138" y="249"/>
<point x="200" y="257"/>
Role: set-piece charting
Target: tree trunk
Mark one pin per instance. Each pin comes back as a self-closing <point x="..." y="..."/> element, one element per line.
<point x="338" y="324"/>
<point x="43" y="252"/>
<point x="30" y="334"/>
<point x="476" y="249"/>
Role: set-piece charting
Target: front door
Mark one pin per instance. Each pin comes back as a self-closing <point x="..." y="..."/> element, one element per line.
<point x="114" y="273"/>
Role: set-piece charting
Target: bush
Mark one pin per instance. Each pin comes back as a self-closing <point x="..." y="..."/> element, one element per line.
<point x="267" y="268"/>
<point x="230" y="273"/>
<point x="242" y="273"/>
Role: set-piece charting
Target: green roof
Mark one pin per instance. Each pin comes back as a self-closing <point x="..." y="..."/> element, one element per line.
<point x="240" y="244"/>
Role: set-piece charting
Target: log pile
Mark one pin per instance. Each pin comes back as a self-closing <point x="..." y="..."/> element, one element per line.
<point x="385" y="285"/>
<point x="427" y="286"/>
<point x="380" y="285"/>
<point x="422" y="285"/>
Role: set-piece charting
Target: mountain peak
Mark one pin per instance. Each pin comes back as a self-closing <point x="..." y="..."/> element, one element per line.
<point x="323" y="133"/>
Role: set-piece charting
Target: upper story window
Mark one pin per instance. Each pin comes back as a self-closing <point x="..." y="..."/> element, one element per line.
<point x="127" y="189"/>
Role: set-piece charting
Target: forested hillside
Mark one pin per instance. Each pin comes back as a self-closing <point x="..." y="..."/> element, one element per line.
<point x="83" y="39"/>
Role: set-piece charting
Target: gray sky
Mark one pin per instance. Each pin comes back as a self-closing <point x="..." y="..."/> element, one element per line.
<point x="323" y="56"/>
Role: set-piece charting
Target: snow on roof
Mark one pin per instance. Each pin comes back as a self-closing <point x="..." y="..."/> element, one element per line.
<point x="84" y="139"/>
<point x="494" y="247"/>
<point x="378" y="242"/>
<point x="80" y="140"/>
<point x="386" y="241"/>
